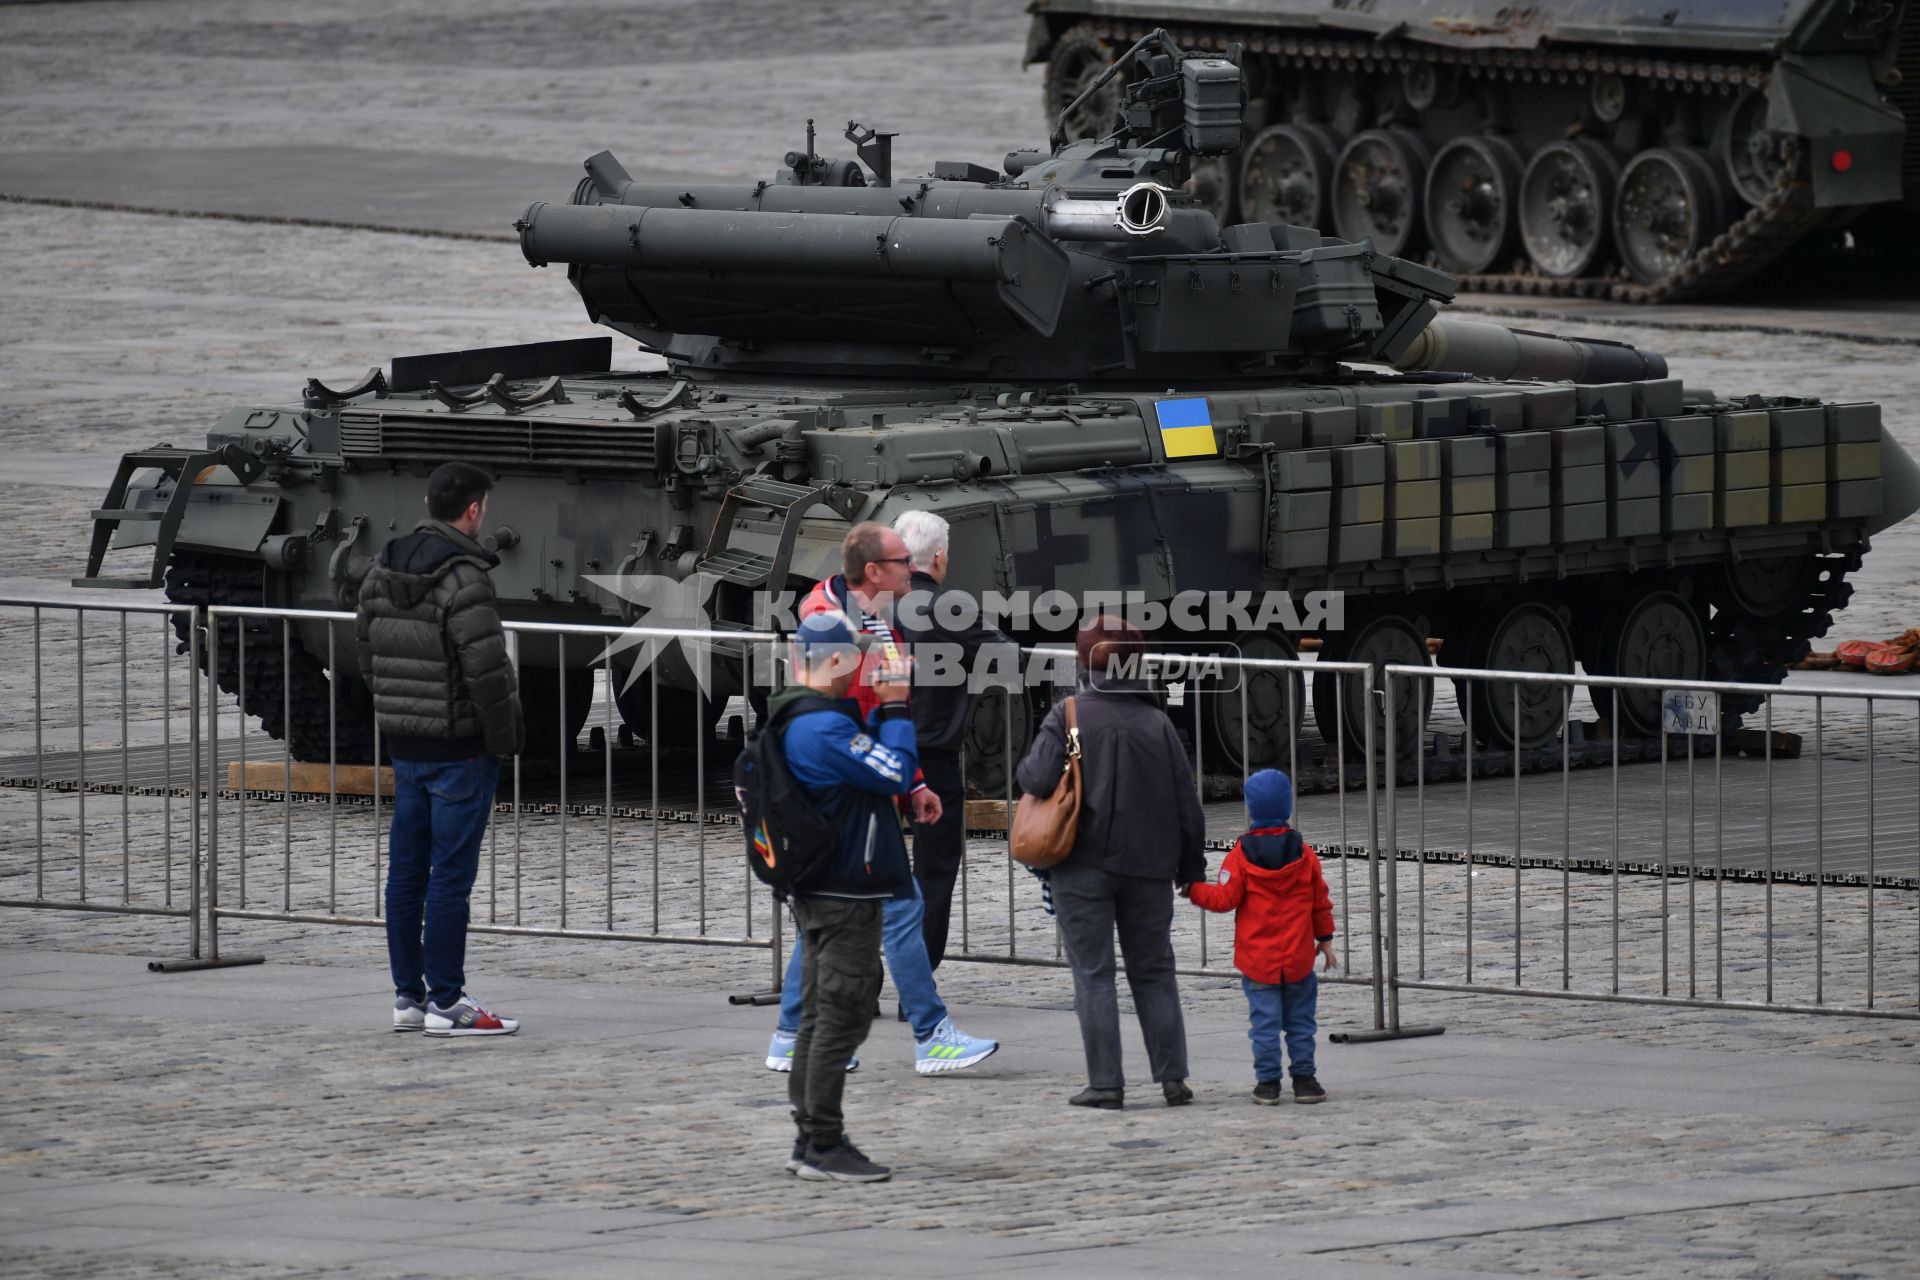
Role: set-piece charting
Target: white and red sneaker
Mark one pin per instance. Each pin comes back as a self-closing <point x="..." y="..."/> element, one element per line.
<point x="467" y="1018"/>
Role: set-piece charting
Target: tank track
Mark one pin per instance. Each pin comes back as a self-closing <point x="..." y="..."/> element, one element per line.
<point x="201" y="580"/>
<point x="1734" y="256"/>
<point x="1759" y="651"/>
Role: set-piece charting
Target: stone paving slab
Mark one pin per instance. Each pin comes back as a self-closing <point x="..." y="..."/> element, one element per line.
<point x="264" y="1118"/>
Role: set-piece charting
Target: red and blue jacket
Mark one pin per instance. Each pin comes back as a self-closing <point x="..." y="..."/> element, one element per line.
<point x="1271" y="881"/>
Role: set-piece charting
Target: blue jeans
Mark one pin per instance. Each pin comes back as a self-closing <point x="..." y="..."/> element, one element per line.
<point x="905" y="944"/>
<point x="1283" y="1010"/>
<point x="440" y="812"/>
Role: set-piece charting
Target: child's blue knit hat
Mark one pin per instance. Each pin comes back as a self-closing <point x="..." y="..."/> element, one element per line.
<point x="1269" y="799"/>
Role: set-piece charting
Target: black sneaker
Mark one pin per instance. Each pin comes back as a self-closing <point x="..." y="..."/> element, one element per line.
<point x="1307" y="1089"/>
<point x="1176" y="1092"/>
<point x="799" y="1156"/>
<point x="841" y="1162"/>
<point x="1267" y="1093"/>
<point x="1099" y="1099"/>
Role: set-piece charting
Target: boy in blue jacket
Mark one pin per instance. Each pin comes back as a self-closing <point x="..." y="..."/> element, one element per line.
<point x="853" y="770"/>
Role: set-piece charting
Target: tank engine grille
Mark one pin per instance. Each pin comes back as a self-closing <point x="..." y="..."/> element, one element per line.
<point x="500" y="440"/>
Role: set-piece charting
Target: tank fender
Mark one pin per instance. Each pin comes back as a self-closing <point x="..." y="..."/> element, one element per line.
<point x="227" y="519"/>
<point x="1040" y="37"/>
<point x="1834" y="104"/>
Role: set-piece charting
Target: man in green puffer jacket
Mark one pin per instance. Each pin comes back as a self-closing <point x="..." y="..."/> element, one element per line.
<point x="445" y="698"/>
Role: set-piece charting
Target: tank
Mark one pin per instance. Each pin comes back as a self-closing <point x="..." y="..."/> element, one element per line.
<point x="1642" y="150"/>
<point x="1099" y="386"/>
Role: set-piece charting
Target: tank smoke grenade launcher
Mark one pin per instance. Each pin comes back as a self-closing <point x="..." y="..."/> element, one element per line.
<point x="1096" y="383"/>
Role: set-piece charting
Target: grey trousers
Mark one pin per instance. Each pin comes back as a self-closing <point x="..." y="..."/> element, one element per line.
<point x="839" y="982"/>
<point x="1091" y="904"/>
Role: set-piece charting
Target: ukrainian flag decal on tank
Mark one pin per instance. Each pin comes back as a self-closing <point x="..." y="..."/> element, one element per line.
<point x="1186" y="427"/>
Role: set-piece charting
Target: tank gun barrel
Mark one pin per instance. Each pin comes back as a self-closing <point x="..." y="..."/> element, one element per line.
<point x="731" y="240"/>
<point x="735" y="273"/>
<point x="1495" y="351"/>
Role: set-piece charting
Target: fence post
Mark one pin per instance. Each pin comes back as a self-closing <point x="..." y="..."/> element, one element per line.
<point x="1386" y="970"/>
<point x="209" y="900"/>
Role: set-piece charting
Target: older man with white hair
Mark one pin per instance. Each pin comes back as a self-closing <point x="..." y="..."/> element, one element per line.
<point x="945" y="634"/>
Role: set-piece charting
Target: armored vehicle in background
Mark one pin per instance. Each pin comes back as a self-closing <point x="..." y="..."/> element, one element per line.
<point x="1098" y="385"/>
<point x="1645" y="150"/>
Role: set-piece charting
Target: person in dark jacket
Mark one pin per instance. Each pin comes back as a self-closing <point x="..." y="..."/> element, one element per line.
<point x="1283" y="913"/>
<point x="1140" y="832"/>
<point x="874" y="563"/>
<point x="945" y="632"/>
<point x="444" y="696"/>
<point x="853" y="768"/>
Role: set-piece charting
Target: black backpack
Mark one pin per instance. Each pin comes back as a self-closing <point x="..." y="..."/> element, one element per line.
<point x="790" y="839"/>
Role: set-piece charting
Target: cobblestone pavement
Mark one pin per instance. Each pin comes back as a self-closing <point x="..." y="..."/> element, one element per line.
<point x="252" y="1123"/>
<point x="635" y="1088"/>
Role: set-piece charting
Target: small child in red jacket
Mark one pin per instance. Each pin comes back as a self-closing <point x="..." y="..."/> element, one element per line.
<point x="1271" y="881"/>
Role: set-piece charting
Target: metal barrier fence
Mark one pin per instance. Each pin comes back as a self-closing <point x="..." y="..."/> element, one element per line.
<point x="70" y="770"/>
<point x="1734" y="952"/>
<point x="1195" y="951"/>
<point x="580" y="849"/>
<point x="542" y="867"/>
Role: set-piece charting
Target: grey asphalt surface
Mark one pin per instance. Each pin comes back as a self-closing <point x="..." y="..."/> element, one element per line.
<point x="246" y="1123"/>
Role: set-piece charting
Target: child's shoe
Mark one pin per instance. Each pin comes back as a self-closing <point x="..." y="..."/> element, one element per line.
<point x="1307" y="1089"/>
<point x="1267" y="1093"/>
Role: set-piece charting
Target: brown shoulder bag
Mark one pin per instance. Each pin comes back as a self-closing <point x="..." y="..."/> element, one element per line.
<point x="1044" y="826"/>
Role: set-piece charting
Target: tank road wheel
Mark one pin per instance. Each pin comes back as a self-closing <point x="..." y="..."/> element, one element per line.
<point x="1766" y="588"/>
<point x="1753" y="155"/>
<point x="1667" y="209"/>
<point x="1078" y="58"/>
<point x="1472" y="196"/>
<point x="1377" y="190"/>
<point x="1566" y="204"/>
<point x="985" y="745"/>
<point x="1657" y="636"/>
<point x="540" y="689"/>
<point x="1274" y="710"/>
<point x="1211" y="186"/>
<point x="1386" y="639"/>
<point x="1287" y="174"/>
<point x="1528" y="637"/>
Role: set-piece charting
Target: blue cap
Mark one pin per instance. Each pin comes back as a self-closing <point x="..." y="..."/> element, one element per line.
<point x="1269" y="799"/>
<point x="825" y="631"/>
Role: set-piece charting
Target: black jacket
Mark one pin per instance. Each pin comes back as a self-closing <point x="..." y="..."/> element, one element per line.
<point x="940" y="707"/>
<point x="1139" y="812"/>
<point x="431" y="646"/>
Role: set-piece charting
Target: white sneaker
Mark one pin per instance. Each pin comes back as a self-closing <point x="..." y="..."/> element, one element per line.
<point x="950" y="1049"/>
<point x="467" y="1018"/>
<point x="780" y="1052"/>
<point x="408" y="1014"/>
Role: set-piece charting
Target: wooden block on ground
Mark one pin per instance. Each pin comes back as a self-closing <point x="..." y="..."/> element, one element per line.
<point x="986" y="815"/>
<point x="309" y="778"/>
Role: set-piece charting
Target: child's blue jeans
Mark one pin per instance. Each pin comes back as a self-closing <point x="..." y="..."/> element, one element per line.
<point x="1287" y="1010"/>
